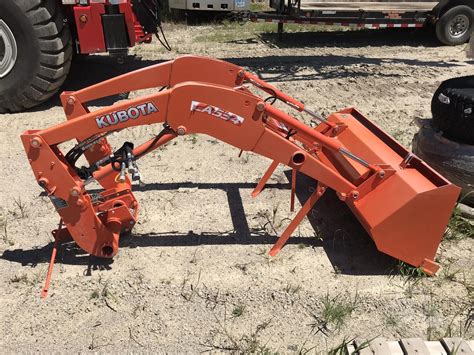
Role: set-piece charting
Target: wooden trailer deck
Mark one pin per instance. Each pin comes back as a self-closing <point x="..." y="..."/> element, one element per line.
<point x="411" y="346"/>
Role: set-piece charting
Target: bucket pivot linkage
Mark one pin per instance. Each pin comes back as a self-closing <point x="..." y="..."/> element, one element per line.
<point x="402" y="203"/>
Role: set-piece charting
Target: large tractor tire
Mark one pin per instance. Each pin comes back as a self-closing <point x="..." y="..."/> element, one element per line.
<point x="452" y="108"/>
<point x="455" y="25"/>
<point x="35" y="52"/>
<point x="452" y="160"/>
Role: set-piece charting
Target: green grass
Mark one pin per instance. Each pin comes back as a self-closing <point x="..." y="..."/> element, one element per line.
<point x="229" y="31"/>
<point x="256" y="6"/>
<point x="334" y="313"/>
<point x="448" y="273"/>
<point x="459" y="227"/>
<point x="392" y="320"/>
<point x="341" y="349"/>
<point x="23" y="278"/>
<point x="238" y="311"/>
<point x="292" y="289"/>
<point x="408" y="272"/>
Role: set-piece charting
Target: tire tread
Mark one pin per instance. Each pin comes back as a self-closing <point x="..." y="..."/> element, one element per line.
<point x="55" y="45"/>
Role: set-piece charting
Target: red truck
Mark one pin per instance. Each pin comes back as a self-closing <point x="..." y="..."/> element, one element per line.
<point x="38" y="39"/>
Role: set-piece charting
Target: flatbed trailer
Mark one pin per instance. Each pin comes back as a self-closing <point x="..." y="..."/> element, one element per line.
<point x="453" y="19"/>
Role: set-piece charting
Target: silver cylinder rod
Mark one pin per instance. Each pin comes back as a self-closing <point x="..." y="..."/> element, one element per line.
<point x="315" y="115"/>
<point x="354" y="157"/>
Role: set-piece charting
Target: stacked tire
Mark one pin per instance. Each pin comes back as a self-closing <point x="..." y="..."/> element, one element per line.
<point x="35" y="52"/>
<point x="447" y="141"/>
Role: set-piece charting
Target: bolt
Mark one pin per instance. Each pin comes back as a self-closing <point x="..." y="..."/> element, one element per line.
<point x="36" y="142"/>
<point x="241" y="74"/>
<point x="260" y="106"/>
<point x="83" y="18"/>
<point x="75" y="191"/>
<point x="355" y="195"/>
<point x="43" y="182"/>
<point x="181" y="131"/>
<point x="71" y="100"/>
<point x="382" y="174"/>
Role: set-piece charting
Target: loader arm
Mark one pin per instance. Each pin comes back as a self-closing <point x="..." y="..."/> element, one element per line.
<point x="391" y="191"/>
<point x="167" y="74"/>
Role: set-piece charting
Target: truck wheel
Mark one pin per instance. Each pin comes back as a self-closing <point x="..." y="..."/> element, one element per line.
<point x="452" y="108"/>
<point x="452" y="160"/>
<point x="455" y="25"/>
<point x="35" y="52"/>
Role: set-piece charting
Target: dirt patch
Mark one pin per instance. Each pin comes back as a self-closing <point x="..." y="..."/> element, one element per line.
<point x="195" y="274"/>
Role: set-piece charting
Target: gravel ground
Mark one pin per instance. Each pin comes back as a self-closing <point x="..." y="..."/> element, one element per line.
<point x="195" y="275"/>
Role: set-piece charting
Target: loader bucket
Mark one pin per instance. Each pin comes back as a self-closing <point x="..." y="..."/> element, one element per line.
<point x="407" y="214"/>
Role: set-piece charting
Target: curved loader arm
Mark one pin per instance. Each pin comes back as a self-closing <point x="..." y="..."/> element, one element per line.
<point x="232" y="115"/>
<point x="171" y="73"/>
<point x="166" y="75"/>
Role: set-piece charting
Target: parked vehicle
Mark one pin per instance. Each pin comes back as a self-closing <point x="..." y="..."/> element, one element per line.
<point x="209" y="5"/>
<point x="38" y="38"/>
<point x="452" y="19"/>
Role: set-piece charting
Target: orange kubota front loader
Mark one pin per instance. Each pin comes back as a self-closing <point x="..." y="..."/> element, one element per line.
<point x="402" y="203"/>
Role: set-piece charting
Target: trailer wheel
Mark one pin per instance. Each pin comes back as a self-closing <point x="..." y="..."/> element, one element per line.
<point x="453" y="160"/>
<point x="455" y="25"/>
<point x="35" y="52"/>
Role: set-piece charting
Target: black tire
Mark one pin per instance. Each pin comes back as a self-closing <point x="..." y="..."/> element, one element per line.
<point x="452" y="160"/>
<point x="461" y="16"/>
<point x="44" y="53"/>
<point x="452" y="108"/>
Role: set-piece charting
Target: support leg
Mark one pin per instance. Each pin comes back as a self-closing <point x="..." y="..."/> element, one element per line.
<point x="57" y="240"/>
<point x="293" y="189"/>
<point x="308" y="205"/>
<point x="44" y="291"/>
<point x="264" y="179"/>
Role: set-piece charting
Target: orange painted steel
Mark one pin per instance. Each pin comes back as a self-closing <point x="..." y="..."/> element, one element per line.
<point x="402" y="203"/>
<point x="308" y="205"/>
<point x="261" y="184"/>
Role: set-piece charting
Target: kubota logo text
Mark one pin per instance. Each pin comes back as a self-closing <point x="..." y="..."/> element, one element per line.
<point x="121" y="116"/>
<point x="217" y="112"/>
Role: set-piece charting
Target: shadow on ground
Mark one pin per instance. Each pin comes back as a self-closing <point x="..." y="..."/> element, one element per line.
<point x="347" y="245"/>
<point x="390" y="37"/>
<point x="94" y="69"/>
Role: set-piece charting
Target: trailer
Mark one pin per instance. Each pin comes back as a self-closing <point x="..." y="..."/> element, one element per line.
<point x="452" y="19"/>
